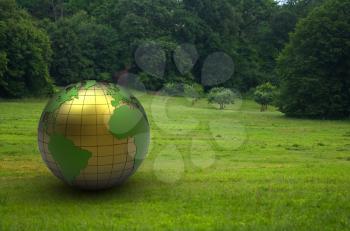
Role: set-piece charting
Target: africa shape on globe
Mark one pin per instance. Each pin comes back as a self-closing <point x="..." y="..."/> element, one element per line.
<point x="93" y="135"/>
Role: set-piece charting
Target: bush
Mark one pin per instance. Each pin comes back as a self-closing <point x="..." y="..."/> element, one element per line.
<point x="221" y="96"/>
<point x="264" y="95"/>
<point x="194" y="91"/>
<point x="152" y="83"/>
<point x="173" y="89"/>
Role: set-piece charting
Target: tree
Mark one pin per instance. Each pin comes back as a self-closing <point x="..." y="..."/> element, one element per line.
<point x="24" y="54"/>
<point x="53" y="9"/>
<point x="105" y="38"/>
<point x="221" y="96"/>
<point x="301" y="8"/>
<point x="314" y="66"/>
<point x="264" y="95"/>
<point x="83" y="49"/>
<point x="144" y="23"/>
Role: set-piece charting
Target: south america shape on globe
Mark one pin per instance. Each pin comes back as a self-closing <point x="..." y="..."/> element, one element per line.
<point x="93" y="135"/>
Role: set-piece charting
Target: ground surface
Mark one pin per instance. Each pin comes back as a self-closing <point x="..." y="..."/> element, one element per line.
<point x="208" y="169"/>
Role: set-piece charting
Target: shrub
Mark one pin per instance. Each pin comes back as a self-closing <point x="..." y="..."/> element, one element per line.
<point x="173" y="89"/>
<point x="194" y="91"/>
<point x="264" y="95"/>
<point x="221" y="96"/>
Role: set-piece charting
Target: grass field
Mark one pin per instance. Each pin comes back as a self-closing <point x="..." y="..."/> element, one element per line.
<point x="236" y="169"/>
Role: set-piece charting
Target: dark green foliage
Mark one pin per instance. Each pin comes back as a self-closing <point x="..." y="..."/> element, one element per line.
<point x="173" y="89"/>
<point x="152" y="83"/>
<point x="221" y="96"/>
<point x="53" y="9"/>
<point x="83" y="49"/>
<point x="301" y="8"/>
<point x="265" y="95"/>
<point x="220" y="25"/>
<point x="24" y="54"/>
<point x="315" y="65"/>
<point x="97" y="39"/>
<point x="193" y="91"/>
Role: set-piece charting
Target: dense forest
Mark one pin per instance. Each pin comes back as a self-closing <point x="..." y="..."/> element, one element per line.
<point x="292" y="44"/>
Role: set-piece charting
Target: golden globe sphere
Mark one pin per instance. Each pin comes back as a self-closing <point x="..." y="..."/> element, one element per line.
<point x="93" y="135"/>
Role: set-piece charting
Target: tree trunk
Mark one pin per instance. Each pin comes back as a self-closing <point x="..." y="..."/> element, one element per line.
<point x="194" y="101"/>
<point x="263" y="107"/>
<point x="62" y="8"/>
<point x="53" y="6"/>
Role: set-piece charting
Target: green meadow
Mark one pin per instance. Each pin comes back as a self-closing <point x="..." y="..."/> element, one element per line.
<point x="232" y="169"/>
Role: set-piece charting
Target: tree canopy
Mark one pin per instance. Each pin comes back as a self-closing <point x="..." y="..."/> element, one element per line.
<point x="82" y="49"/>
<point x="24" y="54"/>
<point x="314" y="66"/>
<point x="221" y="96"/>
<point x="98" y="38"/>
<point x="300" y="46"/>
<point x="265" y="95"/>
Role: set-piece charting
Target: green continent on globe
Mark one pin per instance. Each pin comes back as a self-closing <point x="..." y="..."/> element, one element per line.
<point x="70" y="158"/>
<point x="67" y="95"/>
<point x="61" y="97"/>
<point x="121" y="95"/>
<point x="118" y="94"/>
<point x="129" y="121"/>
<point x="89" y="84"/>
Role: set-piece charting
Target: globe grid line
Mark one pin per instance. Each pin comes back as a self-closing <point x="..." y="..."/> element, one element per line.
<point x="96" y="137"/>
<point x="49" y="158"/>
<point x="81" y="128"/>
<point x="113" y="164"/>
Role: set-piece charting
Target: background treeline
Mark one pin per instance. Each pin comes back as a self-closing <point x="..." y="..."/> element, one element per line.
<point x="290" y="45"/>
